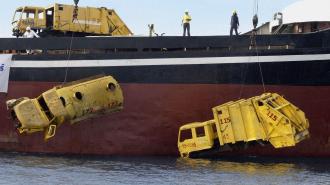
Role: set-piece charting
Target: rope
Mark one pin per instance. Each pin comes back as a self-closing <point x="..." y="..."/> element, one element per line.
<point x="255" y="12"/>
<point x="255" y="7"/>
<point x="243" y="77"/>
<point x="246" y="66"/>
<point x="69" y="51"/>
<point x="260" y="69"/>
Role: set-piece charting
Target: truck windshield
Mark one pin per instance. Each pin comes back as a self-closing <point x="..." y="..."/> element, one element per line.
<point x="28" y="14"/>
<point x="24" y="14"/>
<point x="17" y="15"/>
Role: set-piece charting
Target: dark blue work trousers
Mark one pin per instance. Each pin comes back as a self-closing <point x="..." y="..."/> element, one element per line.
<point x="232" y="29"/>
<point x="186" y="28"/>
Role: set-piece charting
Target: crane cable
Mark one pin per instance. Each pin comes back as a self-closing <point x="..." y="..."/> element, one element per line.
<point x="260" y="69"/>
<point x="69" y="50"/>
<point x="255" y="7"/>
<point x="255" y="13"/>
<point x="253" y="41"/>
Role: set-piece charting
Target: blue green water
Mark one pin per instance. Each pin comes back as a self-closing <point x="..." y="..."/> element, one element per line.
<point x="29" y="169"/>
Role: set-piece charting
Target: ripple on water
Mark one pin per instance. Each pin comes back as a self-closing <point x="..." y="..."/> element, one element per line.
<point x="27" y="169"/>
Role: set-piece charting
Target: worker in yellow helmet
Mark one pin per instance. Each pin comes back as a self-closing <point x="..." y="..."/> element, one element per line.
<point x="234" y="23"/>
<point x="186" y="23"/>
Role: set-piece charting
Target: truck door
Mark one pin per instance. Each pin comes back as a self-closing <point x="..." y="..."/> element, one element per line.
<point x="40" y="19"/>
<point x="50" y="17"/>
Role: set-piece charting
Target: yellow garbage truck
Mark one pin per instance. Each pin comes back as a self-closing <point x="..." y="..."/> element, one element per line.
<point x="60" y="20"/>
<point x="72" y="102"/>
<point x="268" y="118"/>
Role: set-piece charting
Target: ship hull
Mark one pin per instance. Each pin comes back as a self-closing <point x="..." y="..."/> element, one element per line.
<point x="149" y="123"/>
<point x="168" y="82"/>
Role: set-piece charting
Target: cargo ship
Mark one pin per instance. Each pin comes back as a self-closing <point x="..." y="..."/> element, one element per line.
<point x="170" y="81"/>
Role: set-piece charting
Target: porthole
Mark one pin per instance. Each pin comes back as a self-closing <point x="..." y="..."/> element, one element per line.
<point x="78" y="95"/>
<point x="63" y="101"/>
<point x="111" y="86"/>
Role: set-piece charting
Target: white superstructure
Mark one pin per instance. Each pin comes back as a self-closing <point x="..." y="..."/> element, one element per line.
<point x="307" y="11"/>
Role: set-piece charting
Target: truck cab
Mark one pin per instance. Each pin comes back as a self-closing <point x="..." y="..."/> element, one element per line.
<point x="28" y="16"/>
<point x="196" y="137"/>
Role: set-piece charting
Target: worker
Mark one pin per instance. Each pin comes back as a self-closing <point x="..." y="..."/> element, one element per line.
<point x="234" y="24"/>
<point x="30" y="34"/>
<point x="151" y="29"/>
<point x="186" y="23"/>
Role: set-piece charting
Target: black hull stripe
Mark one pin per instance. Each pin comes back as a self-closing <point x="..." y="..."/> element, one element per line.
<point x="311" y="73"/>
<point x="308" y="40"/>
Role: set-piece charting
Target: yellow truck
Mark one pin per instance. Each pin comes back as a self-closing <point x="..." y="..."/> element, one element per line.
<point x="59" y="20"/>
<point x="72" y="102"/>
<point x="268" y="118"/>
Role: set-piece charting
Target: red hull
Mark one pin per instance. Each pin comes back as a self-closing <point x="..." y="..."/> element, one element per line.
<point x="149" y="123"/>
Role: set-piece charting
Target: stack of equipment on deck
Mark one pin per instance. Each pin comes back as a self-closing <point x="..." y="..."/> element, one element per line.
<point x="63" y="20"/>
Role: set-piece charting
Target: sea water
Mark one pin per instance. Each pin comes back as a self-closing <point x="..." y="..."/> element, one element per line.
<point x="43" y="169"/>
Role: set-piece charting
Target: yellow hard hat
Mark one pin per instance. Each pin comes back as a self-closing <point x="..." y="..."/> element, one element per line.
<point x="234" y="12"/>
